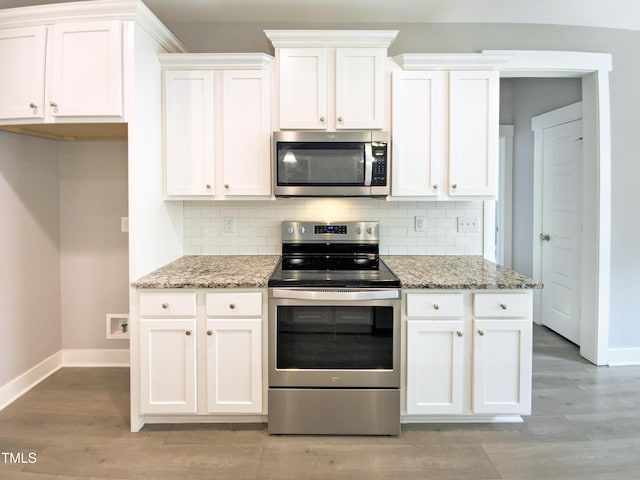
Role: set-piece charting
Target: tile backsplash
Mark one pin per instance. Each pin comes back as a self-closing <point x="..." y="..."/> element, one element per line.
<point x="256" y="224"/>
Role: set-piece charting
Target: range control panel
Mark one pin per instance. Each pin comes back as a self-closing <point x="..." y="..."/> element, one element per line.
<point x="346" y="232"/>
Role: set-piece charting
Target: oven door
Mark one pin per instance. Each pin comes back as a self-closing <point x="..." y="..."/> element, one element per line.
<point x="334" y="338"/>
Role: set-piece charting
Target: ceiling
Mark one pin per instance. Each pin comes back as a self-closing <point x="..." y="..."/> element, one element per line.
<point x="595" y="13"/>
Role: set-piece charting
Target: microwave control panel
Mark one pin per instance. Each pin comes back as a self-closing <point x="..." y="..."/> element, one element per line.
<point x="379" y="175"/>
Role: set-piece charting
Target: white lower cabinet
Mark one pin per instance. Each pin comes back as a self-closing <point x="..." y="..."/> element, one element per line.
<point x="234" y="365"/>
<point x="201" y="352"/>
<point x="460" y="363"/>
<point x="168" y="366"/>
<point x="435" y="359"/>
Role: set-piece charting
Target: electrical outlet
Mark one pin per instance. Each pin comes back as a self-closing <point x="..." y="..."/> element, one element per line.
<point x="468" y="225"/>
<point x="420" y="223"/>
<point x="229" y="224"/>
<point x="124" y="224"/>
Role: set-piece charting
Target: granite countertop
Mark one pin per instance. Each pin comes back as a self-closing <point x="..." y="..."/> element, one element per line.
<point x="455" y="272"/>
<point x="212" y="271"/>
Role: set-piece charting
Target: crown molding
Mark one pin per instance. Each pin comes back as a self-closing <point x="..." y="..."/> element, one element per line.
<point x="331" y="38"/>
<point x="213" y="61"/>
<point x="451" y="61"/>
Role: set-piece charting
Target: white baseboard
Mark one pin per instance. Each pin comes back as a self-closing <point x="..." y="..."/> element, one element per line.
<point x="76" y="357"/>
<point x="620" y="357"/>
<point x="20" y="385"/>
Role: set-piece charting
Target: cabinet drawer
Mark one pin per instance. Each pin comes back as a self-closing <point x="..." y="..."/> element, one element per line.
<point x="434" y="305"/>
<point x="502" y="305"/>
<point x="230" y="304"/>
<point x="164" y="304"/>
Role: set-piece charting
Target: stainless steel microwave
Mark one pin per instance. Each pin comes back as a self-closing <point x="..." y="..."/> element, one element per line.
<point x="331" y="164"/>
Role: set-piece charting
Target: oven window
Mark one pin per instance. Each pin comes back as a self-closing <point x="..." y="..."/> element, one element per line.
<point x="334" y="337"/>
<point x="320" y="163"/>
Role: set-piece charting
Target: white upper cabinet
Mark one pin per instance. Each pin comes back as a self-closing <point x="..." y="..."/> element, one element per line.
<point x="217" y="125"/>
<point x="188" y="138"/>
<point x="303" y="88"/>
<point x="331" y="80"/>
<point x="85" y="71"/>
<point x="78" y="75"/>
<point x="444" y="131"/>
<point x="22" y="59"/>
<point x="473" y="132"/>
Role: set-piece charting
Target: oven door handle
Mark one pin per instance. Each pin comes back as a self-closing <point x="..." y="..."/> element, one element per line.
<point x="332" y="295"/>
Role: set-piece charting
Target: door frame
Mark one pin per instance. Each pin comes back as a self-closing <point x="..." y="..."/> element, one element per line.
<point x="593" y="69"/>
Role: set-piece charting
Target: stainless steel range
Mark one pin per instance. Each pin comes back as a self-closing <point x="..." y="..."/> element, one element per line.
<point x="334" y="333"/>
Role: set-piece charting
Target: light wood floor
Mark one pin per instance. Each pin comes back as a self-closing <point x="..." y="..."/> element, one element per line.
<point x="585" y="425"/>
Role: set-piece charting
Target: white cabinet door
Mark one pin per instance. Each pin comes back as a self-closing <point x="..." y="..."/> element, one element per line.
<point x="417" y="113"/>
<point x="22" y="61"/>
<point x="502" y="366"/>
<point x="189" y="132"/>
<point x="303" y="88"/>
<point x="359" y="87"/>
<point x="473" y="133"/>
<point x="435" y="366"/>
<point x="234" y="366"/>
<point x="246" y="132"/>
<point x="85" y="69"/>
<point x="167" y="366"/>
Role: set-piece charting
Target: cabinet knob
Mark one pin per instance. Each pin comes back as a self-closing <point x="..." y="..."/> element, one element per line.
<point x="436" y="306"/>
<point x="226" y="185"/>
<point x="165" y="305"/>
<point x="481" y="333"/>
<point x="459" y="333"/>
<point x="232" y="306"/>
<point x="53" y="104"/>
<point x="545" y="237"/>
<point x="33" y="105"/>
<point x="435" y="186"/>
<point x="340" y="118"/>
<point x="454" y="186"/>
<point x="322" y="119"/>
<point x="503" y="306"/>
<point x="209" y="332"/>
<point x="208" y="185"/>
<point x="187" y="333"/>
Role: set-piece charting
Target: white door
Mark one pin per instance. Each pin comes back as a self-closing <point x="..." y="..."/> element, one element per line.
<point x="234" y="366"/>
<point x="86" y="70"/>
<point x="189" y="134"/>
<point x="561" y="228"/>
<point x="167" y="366"/>
<point x="246" y="132"/>
<point x="359" y="87"/>
<point x="303" y="88"/>
<point x="22" y="60"/>
<point x="417" y="117"/>
<point x="434" y="366"/>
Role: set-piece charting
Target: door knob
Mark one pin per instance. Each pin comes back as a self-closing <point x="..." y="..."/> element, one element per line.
<point x="545" y="237"/>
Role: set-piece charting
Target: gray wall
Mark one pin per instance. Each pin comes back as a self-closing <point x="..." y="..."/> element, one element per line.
<point x="625" y="113"/>
<point x="520" y="100"/>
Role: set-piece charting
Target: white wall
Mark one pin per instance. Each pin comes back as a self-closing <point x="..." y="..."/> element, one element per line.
<point x="30" y="328"/>
<point x="94" y="252"/>
<point x="258" y="225"/>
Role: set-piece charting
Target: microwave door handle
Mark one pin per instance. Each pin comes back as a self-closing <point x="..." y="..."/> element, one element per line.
<point x="368" y="164"/>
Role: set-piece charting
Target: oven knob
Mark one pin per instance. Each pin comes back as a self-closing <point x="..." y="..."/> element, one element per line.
<point x="302" y="230"/>
<point x="290" y="230"/>
<point x="358" y="230"/>
<point x="370" y="230"/>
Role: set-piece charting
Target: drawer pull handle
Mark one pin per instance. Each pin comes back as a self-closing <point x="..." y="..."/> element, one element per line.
<point x="503" y="306"/>
<point x="232" y="306"/>
<point x="165" y="305"/>
<point x="436" y="306"/>
<point x="459" y="333"/>
<point x="209" y="332"/>
<point x="187" y="333"/>
<point x="481" y="333"/>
